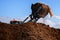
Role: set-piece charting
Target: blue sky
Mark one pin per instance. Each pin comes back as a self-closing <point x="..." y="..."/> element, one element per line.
<point x="22" y="8"/>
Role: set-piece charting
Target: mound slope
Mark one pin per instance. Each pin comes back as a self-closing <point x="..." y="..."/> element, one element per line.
<point x="28" y="31"/>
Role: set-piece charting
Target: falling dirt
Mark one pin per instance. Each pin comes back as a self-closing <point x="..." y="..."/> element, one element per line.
<point x="28" y="31"/>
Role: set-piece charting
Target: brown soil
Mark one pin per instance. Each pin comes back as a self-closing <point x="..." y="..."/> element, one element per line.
<point x="28" y="31"/>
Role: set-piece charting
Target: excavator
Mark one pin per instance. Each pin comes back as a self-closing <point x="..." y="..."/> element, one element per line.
<point x="39" y="10"/>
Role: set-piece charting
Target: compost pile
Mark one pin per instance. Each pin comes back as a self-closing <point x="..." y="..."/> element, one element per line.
<point x="28" y="31"/>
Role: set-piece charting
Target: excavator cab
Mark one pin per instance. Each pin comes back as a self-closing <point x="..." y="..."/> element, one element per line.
<point x="15" y="22"/>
